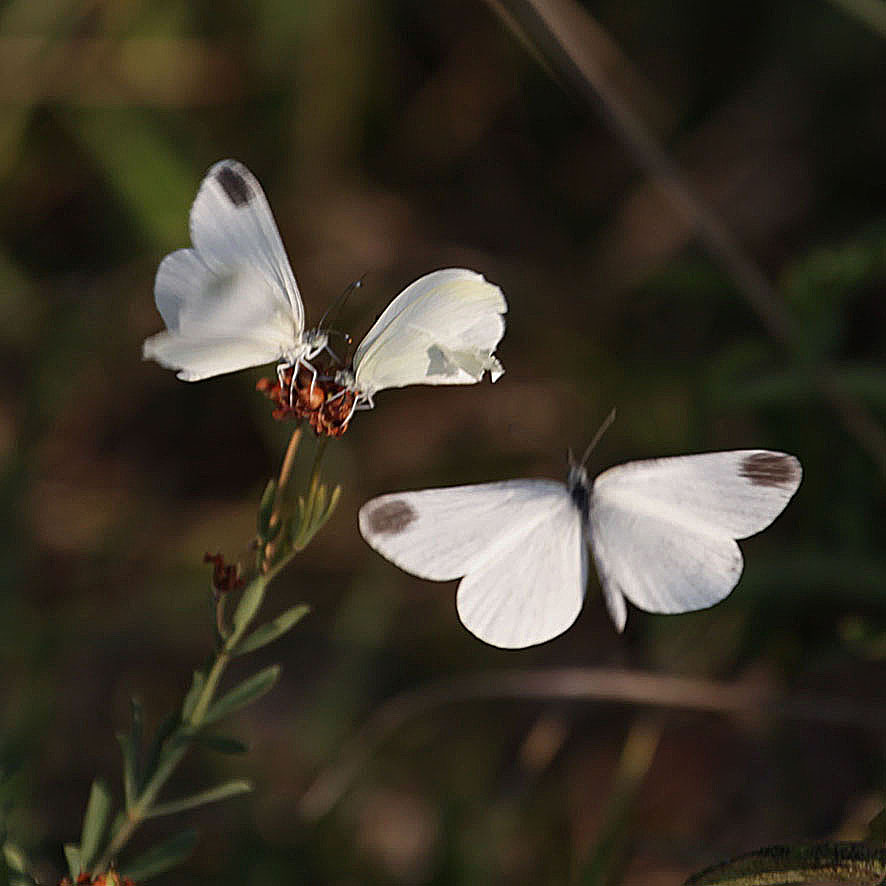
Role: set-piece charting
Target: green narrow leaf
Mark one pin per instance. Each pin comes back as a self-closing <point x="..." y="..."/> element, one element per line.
<point x="161" y="858"/>
<point x="212" y="795"/>
<point x="190" y="702"/>
<point x="273" y="532"/>
<point x="137" y="732"/>
<point x="72" y="856"/>
<point x="221" y="743"/>
<point x="319" y="505"/>
<point x="130" y="775"/>
<point x="248" y="691"/>
<point x="266" y="509"/>
<point x="164" y="731"/>
<point x="270" y="631"/>
<point x="333" y="503"/>
<point x="14" y="858"/>
<point x="321" y="511"/>
<point x="98" y="809"/>
<point x="249" y="602"/>
<point x="14" y="866"/>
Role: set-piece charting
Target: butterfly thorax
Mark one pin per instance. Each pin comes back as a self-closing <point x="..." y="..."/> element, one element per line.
<point x="315" y="340"/>
<point x="312" y="343"/>
<point x="346" y="378"/>
<point x="579" y="490"/>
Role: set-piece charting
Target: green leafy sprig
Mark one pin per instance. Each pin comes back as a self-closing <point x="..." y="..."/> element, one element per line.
<point x="287" y="521"/>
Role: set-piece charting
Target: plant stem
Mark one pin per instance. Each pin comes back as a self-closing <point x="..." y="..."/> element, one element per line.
<point x="282" y="496"/>
<point x="561" y="33"/>
<point x="177" y="745"/>
<point x="306" y="530"/>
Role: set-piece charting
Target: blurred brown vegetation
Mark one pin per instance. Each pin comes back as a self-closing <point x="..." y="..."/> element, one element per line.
<point x="393" y="138"/>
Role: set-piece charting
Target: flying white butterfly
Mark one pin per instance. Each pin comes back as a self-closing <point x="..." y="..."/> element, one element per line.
<point x="441" y="330"/>
<point x="662" y="533"/>
<point x="232" y="301"/>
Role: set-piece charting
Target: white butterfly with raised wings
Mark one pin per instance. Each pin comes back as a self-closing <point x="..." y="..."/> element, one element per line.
<point x="441" y="330"/>
<point x="662" y="534"/>
<point x="231" y="301"/>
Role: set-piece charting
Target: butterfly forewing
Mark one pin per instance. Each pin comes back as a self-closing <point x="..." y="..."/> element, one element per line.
<point x="663" y="531"/>
<point x="232" y="226"/>
<point x="517" y="543"/>
<point x="442" y="534"/>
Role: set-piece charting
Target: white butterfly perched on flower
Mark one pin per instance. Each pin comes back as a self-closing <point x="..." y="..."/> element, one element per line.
<point x="441" y="330"/>
<point x="231" y="301"/>
<point x="662" y="534"/>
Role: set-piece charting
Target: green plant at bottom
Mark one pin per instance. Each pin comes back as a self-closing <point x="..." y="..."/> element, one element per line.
<point x="287" y="521"/>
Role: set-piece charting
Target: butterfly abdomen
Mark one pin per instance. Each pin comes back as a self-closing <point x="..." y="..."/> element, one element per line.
<point x="580" y="494"/>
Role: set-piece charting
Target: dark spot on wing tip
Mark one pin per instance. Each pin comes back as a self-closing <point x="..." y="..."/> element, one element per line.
<point x="391" y="517"/>
<point x="770" y="469"/>
<point x="234" y="185"/>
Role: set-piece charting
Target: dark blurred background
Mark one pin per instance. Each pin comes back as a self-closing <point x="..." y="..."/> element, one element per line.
<point x="393" y="138"/>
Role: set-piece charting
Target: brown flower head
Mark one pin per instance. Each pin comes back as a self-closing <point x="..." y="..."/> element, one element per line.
<point x="225" y="576"/>
<point x="325" y="404"/>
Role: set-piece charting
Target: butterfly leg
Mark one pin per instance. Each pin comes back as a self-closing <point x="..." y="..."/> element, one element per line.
<point x="281" y="377"/>
<point x="313" y="371"/>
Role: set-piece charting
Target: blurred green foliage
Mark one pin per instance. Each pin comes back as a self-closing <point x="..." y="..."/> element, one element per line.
<point x="393" y="138"/>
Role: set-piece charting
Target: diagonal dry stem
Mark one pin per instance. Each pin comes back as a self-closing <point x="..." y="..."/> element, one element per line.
<point x="575" y="684"/>
<point x="562" y="32"/>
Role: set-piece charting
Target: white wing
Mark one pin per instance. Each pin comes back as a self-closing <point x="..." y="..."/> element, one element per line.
<point x="518" y="545"/>
<point x="232" y="226"/>
<point x="663" y="531"/>
<point x="440" y="330"/>
<point x="230" y="302"/>
<point x="217" y="320"/>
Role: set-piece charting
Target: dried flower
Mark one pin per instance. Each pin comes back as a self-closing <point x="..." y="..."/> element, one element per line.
<point x="326" y="405"/>
<point x="225" y="576"/>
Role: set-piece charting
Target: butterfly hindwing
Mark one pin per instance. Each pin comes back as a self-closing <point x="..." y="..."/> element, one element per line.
<point x="442" y="329"/>
<point x="216" y="322"/>
<point x="531" y="588"/>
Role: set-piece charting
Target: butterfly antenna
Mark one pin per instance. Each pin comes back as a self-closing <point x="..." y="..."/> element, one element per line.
<point x="600" y="432"/>
<point x="339" y="303"/>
